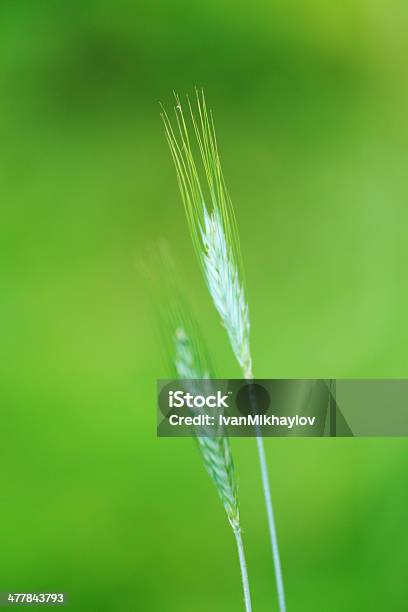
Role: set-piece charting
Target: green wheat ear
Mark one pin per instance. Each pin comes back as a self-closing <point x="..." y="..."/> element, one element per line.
<point x="188" y="360"/>
<point x="212" y="222"/>
<point x="192" y="365"/>
<point x="215" y="451"/>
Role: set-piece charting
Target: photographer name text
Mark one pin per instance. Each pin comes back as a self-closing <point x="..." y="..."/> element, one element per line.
<point x="258" y="420"/>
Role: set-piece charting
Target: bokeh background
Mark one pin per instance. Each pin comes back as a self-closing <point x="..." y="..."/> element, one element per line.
<point x="310" y="102"/>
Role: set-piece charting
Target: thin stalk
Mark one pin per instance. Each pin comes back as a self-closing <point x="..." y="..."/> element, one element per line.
<point x="244" y="573"/>
<point x="270" y="514"/>
<point x="271" y="523"/>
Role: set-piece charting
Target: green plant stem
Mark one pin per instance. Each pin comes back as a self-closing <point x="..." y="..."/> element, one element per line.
<point x="270" y="514"/>
<point x="244" y="572"/>
<point x="271" y="523"/>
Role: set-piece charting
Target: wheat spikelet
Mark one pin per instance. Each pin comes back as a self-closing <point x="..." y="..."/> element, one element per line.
<point x="212" y="225"/>
<point x="185" y="353"/>
<point x="215" y="451"/>
<point x="222" y="276"/>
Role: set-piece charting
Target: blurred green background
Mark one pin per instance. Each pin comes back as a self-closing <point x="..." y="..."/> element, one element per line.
<point x="310" y="103"/>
